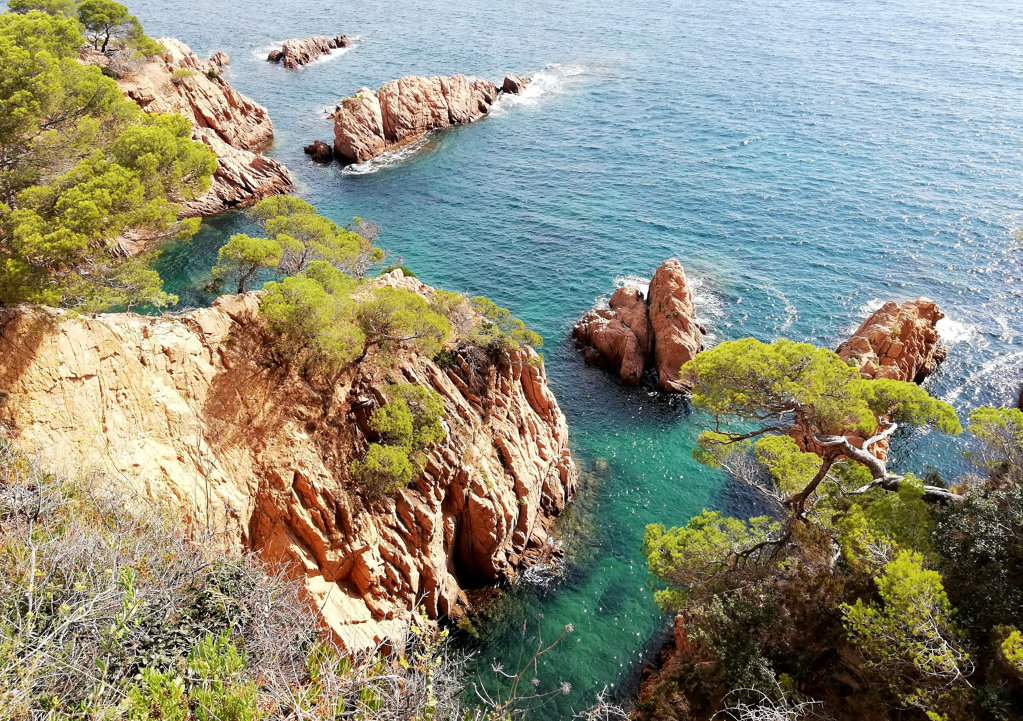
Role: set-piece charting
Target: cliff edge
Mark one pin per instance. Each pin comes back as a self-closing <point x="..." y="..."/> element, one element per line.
<point x="188" y="412"/>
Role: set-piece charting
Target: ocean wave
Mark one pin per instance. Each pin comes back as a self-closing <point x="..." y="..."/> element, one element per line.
<point x="386" y="159"/>
<point x="552" y="80"/>
<point x="953" y="331"/>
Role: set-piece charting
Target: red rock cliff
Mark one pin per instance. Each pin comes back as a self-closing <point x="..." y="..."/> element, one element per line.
<point x="185" y="411"/>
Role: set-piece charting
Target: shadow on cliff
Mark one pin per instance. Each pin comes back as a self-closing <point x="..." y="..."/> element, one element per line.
<point x="22" y="332"/>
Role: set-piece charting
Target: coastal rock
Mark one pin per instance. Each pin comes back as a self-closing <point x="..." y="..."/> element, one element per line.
<point x="220" y="59"/>
<point x="298" y="52"/>
<point x="619" y="336"/>
<point x="320" y="152"/>
<point x="635" y="333"/>
<point x="513" y="84"/>
<point x="234" y="127"/>
<point x="899" y="342"/>
<point x="677" y="337"/>
<point x="186" y="412"/>
<point x="402" y="111"/>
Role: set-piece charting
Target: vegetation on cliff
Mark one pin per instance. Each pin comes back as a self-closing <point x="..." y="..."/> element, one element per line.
<point x="863" y="593"/>
<point x="80" y="167"/>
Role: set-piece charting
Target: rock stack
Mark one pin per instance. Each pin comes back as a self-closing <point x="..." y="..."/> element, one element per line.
<point x="637" y="332"/>
<point x="899" y="342"/>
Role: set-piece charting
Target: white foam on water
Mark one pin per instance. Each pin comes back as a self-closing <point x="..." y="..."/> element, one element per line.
<point x="952" y="331"/>
<point x="552" y="80"/>
<point x="387" y="159"/>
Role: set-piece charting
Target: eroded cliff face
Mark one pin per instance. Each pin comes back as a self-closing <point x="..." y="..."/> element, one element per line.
<point x="636" y="332"/>
<point x="188" y="412"/>
<point x="402" y="111"/>
<point x="235" y="127"/>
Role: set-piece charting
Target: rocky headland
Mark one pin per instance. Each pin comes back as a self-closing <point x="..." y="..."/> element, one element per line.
<point x="234" y="126"/>
<point x="298" y="52"/>
<point x="188" y="413"/>
<point x="636" y="332"/>
<point x="372" y="122"/>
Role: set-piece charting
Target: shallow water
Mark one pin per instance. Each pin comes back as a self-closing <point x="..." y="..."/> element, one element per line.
<point x="805" y="160"/>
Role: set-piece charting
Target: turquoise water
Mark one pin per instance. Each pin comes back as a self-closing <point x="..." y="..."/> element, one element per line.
<point x="805" y="159"/>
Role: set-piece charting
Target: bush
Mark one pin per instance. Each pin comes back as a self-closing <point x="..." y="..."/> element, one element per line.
<point x="181" y="75"/>
<point x="408" y="425"/>
<point x="404" y="270"/>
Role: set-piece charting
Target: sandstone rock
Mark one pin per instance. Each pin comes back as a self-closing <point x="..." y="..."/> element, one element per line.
<point x="298" y="52"/>
<point x="619" y="336"/>
<point x="677" y="337"/>
<point x="634" y="333"/>
<point x="220" y="59"/>
<point x="514" y="84"/>
<point x="320" y="152"/>
<point x="404" y="110"/>
<point x="898" y="342"/>
<point x="232" y="125"/>
<point x="183" y="411"/>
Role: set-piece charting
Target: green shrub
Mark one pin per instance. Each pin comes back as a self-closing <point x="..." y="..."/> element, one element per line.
<point x="404" y="270"/>
<point x="500" y="331"/>
<point x="408" y="425"/>
<point x="181" y="75"/>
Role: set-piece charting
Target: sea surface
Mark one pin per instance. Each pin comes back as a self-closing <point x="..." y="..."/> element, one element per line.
<point x="806" y="160"/>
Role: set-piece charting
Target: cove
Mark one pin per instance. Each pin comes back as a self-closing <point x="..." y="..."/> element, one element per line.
<point x="805" y="161"/>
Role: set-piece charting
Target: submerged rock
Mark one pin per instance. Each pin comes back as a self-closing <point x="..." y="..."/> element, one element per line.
<point x="403" y="111"/>
<point x="196" y="420"/>
<point x="235" y="127"/>
<point x="320" y="152"/>
<point x="899" y="342"/>
<point x="298" y="52"/>
<point x="635" y="333"/>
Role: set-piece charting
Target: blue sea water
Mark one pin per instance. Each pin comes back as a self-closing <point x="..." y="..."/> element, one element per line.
<point x="804" y="159"/>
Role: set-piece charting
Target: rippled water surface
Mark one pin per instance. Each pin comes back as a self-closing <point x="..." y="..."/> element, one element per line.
<point x="805" y="159"/>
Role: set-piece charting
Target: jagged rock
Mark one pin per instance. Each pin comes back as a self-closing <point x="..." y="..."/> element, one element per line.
<point x="677" y="337"/>
<point x="619" y="336"/>
<point x="514" y="84"/>
<point x="402" y="111"/>
<point x="185" y="411"/>
<point x="298" y="52"/>
<point x="635" y="333"/>
<point x="235" y="127"/>
<point x="220" y="59"/>
<point x="899" y="342"/>
<point x="320" y="152"/>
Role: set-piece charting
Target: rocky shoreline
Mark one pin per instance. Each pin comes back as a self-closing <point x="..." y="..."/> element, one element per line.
<point x="235" y="127"/>
<point x="185" y="412"/>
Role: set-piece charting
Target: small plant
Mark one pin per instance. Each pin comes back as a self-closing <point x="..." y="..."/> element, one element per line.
<point x="181" y="75"/>
<point x="212" y="74"/>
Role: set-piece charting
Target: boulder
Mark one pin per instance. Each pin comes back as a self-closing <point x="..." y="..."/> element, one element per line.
<point x="320" y="152"/>
<point x="275" y="56"/>
<point x="220" y="59"/>
<point x="514" y="84"/>
<point x="897" y="341"/>
<point x="635" y="333"/>
<point x="404" y="110"/>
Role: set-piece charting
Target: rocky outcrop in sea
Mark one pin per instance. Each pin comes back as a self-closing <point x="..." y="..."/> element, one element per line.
<point x="636" y="332"/>
<point x="298" y="52"/>
<point x="187" y="412"/>
<point x="372" y="122"/>
<point x="898" y="341"/>
<point x="234" y="126"/>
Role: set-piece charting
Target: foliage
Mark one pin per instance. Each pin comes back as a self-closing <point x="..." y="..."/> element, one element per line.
<point x="392" y="318"/>
<point x="243" y="256"/>
<point x="67" y="8"/>
<point x="500" y="331"/>
<point x="106" y="20"/>
<point x="999" y="452"/>
<point x="1012" y="649"/>
<point x="408" y="425"/>
<point x="405" y="271"/>
<point x="909" y="639"/>
<point x="81" y="166"/>
<point x="304" y="237"/>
